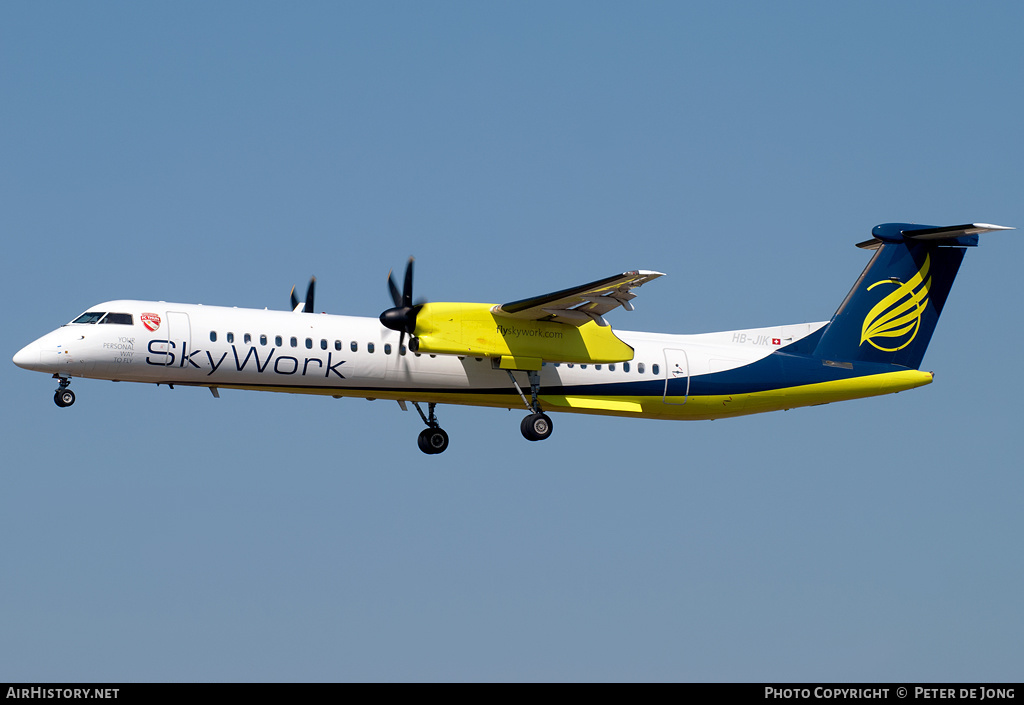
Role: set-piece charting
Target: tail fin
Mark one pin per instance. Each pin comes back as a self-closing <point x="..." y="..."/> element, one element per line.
<point x="891" y="312"/>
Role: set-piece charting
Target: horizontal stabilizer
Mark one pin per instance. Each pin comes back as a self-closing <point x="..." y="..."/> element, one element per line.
<point x="947" y="235"/>
<point x="954" y="231"/>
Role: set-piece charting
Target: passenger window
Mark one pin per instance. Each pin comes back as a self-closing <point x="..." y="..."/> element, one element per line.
<point x="337" y="345"/>
<point x="369" y="347"/>
<point x="640" y="368"/>
<point x="89" y="317"/>
<point x="213" y="336"/>
<point x="569" y="364"/>
<point x="231" y="337"/>
<point x="625" y="367"/>
<point x="123" y="319"/>
<point x="402" y="350"/>
<point x="583" y="367"/>
<point x="263" y="340"/>
<point x="354" y="346"/>
<point x="309" y="343"/>
<point x="611" y="367"/>
<point x="323" y="343"/>
<point x="248" y="338"/>
<point x="654" y="369"/>
<point x="557" y="364"/>
<point x="597" y="367"/>
<point x="278" y="341"/>
<point x="387" y="348"/>
<point x="294" y="341"/>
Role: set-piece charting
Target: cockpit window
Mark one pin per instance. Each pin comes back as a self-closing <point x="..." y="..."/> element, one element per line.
<point x="123" y="319"/>
<point x="89" y="317"/>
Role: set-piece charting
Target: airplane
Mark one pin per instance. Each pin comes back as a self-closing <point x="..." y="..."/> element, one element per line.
<point x="551" y="353"/>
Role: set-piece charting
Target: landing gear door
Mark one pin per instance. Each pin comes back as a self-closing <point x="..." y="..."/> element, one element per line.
<point x="677" y="376"/>
<point x="179" y="333"/>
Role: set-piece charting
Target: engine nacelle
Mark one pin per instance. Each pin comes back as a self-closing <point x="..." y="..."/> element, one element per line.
<point x="473" y="330"/>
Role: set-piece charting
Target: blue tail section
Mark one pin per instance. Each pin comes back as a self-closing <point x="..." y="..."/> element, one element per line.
<point x="891" y="312"/>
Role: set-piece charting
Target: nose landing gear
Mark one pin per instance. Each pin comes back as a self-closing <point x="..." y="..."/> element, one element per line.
<point x="63" y="396"/>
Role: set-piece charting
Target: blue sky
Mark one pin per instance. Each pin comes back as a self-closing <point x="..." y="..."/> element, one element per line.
<point x="220" y="153"/>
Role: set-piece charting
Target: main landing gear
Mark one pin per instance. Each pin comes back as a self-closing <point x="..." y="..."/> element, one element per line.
<point x="537" y="426"/>
<point x="433" y="439"/>
<point x="63" y="396"/>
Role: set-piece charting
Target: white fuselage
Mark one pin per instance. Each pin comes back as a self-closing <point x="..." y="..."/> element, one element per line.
<point x="349" y="356"/>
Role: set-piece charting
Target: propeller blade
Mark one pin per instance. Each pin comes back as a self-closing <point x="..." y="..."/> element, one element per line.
<point x="309" y="296"/>
<point x="402" y="316"/>
<point x="395" y="296"/>
<point x="407" y="289"/>
<point x="295" y="300"/>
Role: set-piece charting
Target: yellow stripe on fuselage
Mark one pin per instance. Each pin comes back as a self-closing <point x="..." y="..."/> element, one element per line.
<point x="693" y="407"/>
<point x="716" y="407"/>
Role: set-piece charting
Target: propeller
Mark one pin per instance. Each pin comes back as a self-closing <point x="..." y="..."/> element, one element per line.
<point x="310" y="291"/>
<point x="402" y="317"/>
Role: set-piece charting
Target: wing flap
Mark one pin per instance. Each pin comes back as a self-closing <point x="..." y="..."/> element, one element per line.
<point x="580" y="304"/>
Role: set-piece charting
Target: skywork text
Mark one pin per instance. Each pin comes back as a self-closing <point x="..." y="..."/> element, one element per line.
<point x="164" y="353"/>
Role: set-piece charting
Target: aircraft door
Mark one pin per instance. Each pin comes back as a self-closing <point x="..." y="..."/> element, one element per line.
<point x="677" y="376"/>
<point x="179" y="333"/>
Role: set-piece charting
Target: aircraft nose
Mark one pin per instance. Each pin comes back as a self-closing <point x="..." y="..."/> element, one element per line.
<point x="29" y="356"/>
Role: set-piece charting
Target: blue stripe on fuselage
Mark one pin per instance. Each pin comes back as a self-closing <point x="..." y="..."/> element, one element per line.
<point x="778" y="370"/>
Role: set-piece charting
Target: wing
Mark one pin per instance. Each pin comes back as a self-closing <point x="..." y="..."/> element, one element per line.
<point x="580" y="304"/>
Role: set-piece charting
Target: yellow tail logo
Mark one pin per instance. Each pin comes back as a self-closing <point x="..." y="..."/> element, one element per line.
<point x="897" y="317"/>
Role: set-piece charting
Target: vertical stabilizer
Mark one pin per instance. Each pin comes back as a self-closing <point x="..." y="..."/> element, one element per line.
<point x="891" y="312"/>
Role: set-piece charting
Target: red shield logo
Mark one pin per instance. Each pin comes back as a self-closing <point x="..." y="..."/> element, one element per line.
<point x="151" y="321"/>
